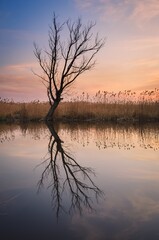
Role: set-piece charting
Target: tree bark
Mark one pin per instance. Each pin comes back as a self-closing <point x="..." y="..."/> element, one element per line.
<point x="50" y="115"/>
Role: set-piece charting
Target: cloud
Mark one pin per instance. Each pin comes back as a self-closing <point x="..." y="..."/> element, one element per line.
<point x="19" y="67"/>
<point x="137" y="10"/>
<point x="141" y="43"/>
<point x="104" y="7"/>
<point x="124" y="215"/>
<point x="145" y="9"/>
<point x="19" y="83"/>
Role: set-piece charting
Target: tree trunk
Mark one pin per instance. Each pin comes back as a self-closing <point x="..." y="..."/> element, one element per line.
<point x="50" y="115"/>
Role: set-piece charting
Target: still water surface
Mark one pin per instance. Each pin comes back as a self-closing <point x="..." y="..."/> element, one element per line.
<point x="79" y="182"/>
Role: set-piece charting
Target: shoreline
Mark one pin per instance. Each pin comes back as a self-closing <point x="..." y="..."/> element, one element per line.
<point x="68" y="120"/>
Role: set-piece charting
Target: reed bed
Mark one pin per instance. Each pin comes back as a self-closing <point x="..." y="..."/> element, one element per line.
<point x="12" y="111"/>
<point x="79" y="111"/>
<point x="104" y="106"/>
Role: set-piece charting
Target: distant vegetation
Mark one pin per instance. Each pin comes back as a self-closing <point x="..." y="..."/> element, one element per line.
<point x="104" y="106"/>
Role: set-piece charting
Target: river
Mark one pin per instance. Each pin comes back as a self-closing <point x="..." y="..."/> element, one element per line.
<point x="79" y="181"/>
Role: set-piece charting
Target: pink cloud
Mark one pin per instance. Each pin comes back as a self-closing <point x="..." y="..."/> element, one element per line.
<point x="19" y="83"/>
<point x="145" y="10"/>
<point x="137" y="10"/>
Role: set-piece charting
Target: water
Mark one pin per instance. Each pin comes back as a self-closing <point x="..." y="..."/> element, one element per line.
<point x="79" y="182"/>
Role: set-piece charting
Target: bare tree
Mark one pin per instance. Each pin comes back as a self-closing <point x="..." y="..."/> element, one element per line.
<point x="65" y="60"/>
<point x="65" y="175"/>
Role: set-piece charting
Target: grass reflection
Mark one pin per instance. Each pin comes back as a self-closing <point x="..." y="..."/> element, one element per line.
<point x="125" y="136"/>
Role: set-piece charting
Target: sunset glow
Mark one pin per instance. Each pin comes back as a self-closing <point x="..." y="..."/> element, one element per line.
<point x="129" y="59"/>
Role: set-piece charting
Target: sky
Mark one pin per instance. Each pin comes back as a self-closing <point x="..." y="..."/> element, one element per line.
<point x="129" y="59"/>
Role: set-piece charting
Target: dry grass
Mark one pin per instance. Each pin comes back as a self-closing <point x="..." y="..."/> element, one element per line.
<point x="108" y="111"/>
<point x="126" y="106"/>
<point x="24" y="111"/>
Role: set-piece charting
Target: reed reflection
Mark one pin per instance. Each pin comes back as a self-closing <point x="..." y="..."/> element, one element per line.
<point x="122" y="136"/>
<point x="104" y="135"/>
<point x="67" y="176"/>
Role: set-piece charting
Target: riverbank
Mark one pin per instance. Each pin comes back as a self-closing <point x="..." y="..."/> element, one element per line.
<point x="80" y="111"/>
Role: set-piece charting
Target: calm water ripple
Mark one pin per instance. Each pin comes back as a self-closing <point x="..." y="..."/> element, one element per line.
<point x="87" y="181"/>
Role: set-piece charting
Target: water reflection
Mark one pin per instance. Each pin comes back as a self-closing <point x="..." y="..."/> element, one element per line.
<point x="64" y="174"/>
<point x="122" y="136"/>
<point x="125" y="159"/>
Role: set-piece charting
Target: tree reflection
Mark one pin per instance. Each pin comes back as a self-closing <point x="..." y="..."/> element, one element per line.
<point x="66" y="175"/>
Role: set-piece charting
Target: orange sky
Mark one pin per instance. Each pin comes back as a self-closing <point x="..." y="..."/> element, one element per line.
<point x="129" y="59"/>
